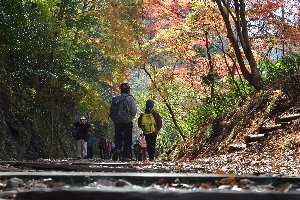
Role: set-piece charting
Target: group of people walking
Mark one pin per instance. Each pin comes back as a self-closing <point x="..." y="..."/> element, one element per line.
<point x="123" y="110"/>
<point x="140" y="148"/>
<point x="85" y="141"/>
<point x="105" y="147"/>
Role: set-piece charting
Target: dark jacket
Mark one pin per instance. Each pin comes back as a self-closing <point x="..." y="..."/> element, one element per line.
<point x="158" y="121"/>
<point x="83" y="130"/>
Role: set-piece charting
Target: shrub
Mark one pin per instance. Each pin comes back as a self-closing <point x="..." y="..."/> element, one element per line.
<point x="284" y="67"/>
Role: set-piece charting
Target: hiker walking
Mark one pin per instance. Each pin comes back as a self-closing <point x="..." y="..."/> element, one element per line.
<point x="150" y="122"/>
<point x="82" y="128"/>
<point x="110" y="146"/>
<point x="102" y="147"/>
<point x="136" y="149"/>
<point x="122" y="112"/>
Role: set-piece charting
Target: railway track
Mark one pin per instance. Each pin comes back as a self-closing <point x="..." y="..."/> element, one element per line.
<point x="73" y="179"/>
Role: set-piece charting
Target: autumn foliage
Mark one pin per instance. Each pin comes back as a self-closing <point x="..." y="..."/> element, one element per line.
<point x="177" y="30"/>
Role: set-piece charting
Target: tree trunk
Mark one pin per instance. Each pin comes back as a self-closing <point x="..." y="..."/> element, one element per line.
<point x="211" y="67"/>
<point x="240" y="25"/>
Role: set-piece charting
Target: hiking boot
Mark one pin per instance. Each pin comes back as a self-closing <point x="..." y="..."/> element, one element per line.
<point x="116" y="155"/>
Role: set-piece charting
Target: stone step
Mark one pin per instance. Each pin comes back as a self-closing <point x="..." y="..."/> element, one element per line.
<point x="287" y="118"/>
<point x="253" y="138"/>
<point x="233" y="147"/>
<point x="265" y="129"/>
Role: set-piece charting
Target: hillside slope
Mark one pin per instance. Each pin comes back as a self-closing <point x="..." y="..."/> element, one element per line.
<point x="278" y="153"/>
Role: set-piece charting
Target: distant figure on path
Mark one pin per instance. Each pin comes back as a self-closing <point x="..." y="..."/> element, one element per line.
<point x="136" y="149"/>
<point x="81" y="137"/>
<point x="102" y="145"/>
<point x="90" y="145"/>
<point x="143" y="147"/>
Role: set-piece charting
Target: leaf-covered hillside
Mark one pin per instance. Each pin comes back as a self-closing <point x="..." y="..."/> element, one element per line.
<point x="276" y="153"/>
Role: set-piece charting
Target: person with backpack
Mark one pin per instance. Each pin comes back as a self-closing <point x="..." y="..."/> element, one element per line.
<point x="82" y="128"/>
<point x="150" y="122"/>
<point x="90" y="144"/>
<point x="122" y="112"/>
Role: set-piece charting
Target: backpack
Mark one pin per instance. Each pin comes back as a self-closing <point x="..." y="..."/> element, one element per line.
<point x="148" y="123"/>
<point x="119" y="109"/>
